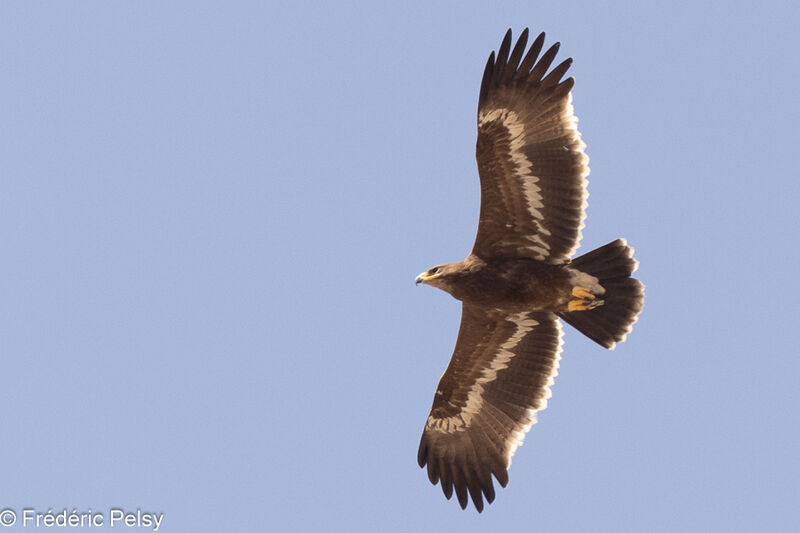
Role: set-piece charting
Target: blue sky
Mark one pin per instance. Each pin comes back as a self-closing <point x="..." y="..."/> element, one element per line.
<point x="212" y="215"/>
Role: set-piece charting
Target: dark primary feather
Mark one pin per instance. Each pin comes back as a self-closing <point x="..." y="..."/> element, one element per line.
<point x="533" y="52"/>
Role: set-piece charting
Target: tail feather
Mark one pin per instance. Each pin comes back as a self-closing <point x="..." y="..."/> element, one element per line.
<point x="611" y="322"/>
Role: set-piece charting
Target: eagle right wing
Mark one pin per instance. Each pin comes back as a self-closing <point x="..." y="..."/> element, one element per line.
<point x="530" y="157"/>
<point x="498" y="378"/>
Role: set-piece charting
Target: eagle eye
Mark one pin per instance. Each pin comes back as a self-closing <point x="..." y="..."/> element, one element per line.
<point x="434" y="270"/>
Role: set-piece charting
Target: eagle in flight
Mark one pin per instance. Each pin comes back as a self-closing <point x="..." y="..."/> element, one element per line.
<point x="519" y="278"/>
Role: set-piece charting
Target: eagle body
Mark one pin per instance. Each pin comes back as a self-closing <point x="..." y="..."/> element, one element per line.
<point x="518" y="283"/>
<point x="520" y="280"/>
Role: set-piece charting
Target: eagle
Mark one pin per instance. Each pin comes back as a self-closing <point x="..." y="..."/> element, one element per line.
<point x="519" y="278"/>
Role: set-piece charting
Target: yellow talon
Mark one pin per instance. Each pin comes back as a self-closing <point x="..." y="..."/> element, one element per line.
<point x="580" y="292"/>
<point x="584" y="305"/>
<point x="576" y="305"/>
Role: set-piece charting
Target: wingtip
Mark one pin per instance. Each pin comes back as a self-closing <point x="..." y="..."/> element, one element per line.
<point x="502" y="478"/>
<point x="505" y="47"/>
<point x="422" y="453"/>
<point x="461" y="494"/>
<point x="478" y="502"/>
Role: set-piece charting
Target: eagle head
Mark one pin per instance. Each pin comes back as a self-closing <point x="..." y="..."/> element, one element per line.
<point x="439" y="276"/>
<point x="450" y="277"/>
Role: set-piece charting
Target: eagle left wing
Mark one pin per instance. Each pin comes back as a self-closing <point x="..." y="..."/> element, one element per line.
<point x="530" y="157"/>
<point x="498" y="378"/>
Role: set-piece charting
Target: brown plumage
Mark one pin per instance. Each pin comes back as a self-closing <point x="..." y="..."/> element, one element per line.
<point x="519" y="278"/>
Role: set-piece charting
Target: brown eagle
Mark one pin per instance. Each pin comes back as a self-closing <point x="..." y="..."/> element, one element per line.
<point x="519" y="278"/>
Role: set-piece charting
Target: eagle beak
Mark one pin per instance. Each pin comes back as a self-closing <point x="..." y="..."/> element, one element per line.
<point x="420" y="279"/>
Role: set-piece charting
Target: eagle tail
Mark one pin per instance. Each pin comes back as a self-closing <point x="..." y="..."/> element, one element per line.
<point x="611" y="322"/>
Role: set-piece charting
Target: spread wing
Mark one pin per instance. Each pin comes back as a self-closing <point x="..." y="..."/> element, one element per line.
<point x="530" y="157"/>
<point x="498" y="378"/>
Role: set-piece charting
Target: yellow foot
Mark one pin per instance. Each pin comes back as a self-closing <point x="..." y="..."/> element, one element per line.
<point x="582" y="293"/>
<point x="584" y="304"/>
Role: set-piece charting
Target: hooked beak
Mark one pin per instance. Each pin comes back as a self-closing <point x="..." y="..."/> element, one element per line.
<point x="420" y="279"/>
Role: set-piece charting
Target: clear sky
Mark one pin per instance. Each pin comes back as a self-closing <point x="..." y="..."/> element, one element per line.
<point x="212" y="214"/>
